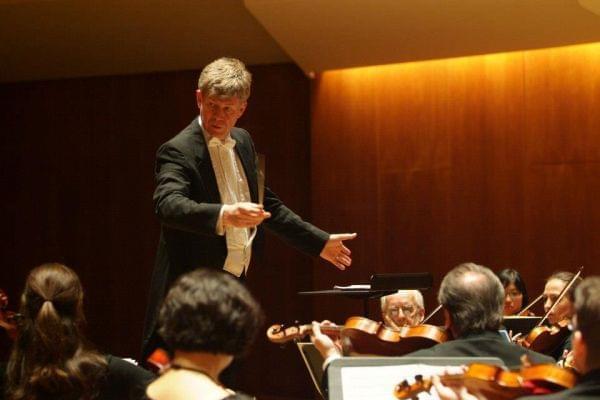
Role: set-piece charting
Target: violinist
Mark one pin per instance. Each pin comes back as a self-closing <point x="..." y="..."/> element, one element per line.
<point x="404" y="308"/>
<point x="586" y="343"/>
<point x="563" y="310"/>
<point x="586" y="350"/>
<point x="472" y="299"/>
<point x="515" y="292"/>
<point x="400" y="309"/>
<point x="51" y="359"/>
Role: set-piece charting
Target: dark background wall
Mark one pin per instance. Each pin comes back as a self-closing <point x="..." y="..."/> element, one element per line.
<point x="77" y="175"/>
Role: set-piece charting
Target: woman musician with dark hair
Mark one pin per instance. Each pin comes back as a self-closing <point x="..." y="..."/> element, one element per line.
<point x="51" y="359"/>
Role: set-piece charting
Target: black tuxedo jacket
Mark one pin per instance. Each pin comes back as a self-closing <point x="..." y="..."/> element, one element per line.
<point x="188" y="204"/>
<point x="484" y="344"/>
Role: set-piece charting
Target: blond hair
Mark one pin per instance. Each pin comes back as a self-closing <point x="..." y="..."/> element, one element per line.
<point x="225" y="77"/>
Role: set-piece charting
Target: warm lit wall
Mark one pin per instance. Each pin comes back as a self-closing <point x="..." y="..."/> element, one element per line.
<point x="494" y="159"/>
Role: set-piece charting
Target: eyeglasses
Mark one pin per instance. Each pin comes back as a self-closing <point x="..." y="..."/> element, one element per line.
<point x="405" y="310"/>
<point x="513" y="294"/>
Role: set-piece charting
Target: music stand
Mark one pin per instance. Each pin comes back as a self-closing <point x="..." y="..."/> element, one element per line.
<point x="374" y="378"/>
<point x="380" y="285"/>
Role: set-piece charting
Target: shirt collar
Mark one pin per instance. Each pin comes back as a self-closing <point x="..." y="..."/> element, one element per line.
<point x="208" y="137"/>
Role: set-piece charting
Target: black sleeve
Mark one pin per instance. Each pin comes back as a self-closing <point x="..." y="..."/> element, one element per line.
<point x="291" y="228"/>
<point x="125" y="380"/>
<point x="172" y="197"/>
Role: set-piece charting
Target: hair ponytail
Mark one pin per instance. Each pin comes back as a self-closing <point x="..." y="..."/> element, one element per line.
<point x="50" y="358"/>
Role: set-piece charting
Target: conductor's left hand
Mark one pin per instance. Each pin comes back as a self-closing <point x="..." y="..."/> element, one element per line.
<point x="335" y="252"/>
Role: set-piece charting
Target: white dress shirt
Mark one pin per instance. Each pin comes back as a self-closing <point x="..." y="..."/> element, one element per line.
<point x="233" y="188"/>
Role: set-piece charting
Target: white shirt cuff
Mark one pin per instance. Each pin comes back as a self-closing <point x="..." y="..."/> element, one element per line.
<point x="220" y="229"/>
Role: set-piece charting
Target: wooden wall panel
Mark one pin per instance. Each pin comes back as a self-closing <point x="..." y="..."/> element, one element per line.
<point x="562" y="153"/>
<point x="492" y="159"/>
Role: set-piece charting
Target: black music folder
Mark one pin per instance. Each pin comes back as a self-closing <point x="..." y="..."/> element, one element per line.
<point x="402" y="281"/>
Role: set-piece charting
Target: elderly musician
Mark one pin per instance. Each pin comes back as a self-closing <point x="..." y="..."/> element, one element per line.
<point x="472" y="299"/>
<point x="403" y="308"/>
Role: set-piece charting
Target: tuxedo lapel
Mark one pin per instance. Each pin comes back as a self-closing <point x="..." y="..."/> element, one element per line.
<point x="244" y="151"/>
<point x="204" y="164"/>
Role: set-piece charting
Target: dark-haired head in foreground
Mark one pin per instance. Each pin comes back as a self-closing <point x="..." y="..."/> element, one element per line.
<point x="209" y="311"/>
<point x="207" y="318"/>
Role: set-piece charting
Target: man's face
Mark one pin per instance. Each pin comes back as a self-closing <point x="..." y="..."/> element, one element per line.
<point x="401" y="310"/>
<point x="219" y="114"/>
<point x="564" y="308"/>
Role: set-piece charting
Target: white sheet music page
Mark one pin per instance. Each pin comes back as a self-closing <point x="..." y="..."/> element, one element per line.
<point x="378" y="383"/>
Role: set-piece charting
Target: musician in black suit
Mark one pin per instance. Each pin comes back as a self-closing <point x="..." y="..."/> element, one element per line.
<point x="472" y="300"/>
<point x="207" y="195"/>
<point x="586" y="344"/>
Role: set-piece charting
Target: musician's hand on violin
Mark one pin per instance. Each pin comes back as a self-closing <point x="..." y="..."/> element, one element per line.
<point x="568" y="361"/>
<point x="514" y="338"/>
<point x="525" y="361"/>
<point x="335" y="252"/>
<point x="323" y="343"/>
<point x="447" y="393"/>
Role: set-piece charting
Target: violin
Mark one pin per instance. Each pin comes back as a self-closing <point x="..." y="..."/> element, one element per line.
<point x="495" y="383"/>
<point x="369" y="337"/>
<point x="8" y="319"/>
<point x="280" y="333"/>
<point x="545" y="339"/>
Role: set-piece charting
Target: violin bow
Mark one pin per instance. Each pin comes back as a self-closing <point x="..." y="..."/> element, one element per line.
<point x="438" y="308"/>
<point x="534" y="302"/>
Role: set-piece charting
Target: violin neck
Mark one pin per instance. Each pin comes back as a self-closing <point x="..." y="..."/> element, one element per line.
<point x="329" y="330"/>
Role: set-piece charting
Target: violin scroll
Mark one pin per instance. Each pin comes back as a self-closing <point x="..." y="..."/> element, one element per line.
<point x="281" y="333"/>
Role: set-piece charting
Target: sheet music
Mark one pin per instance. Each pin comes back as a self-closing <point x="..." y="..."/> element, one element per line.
<point x="378" y="383"/>
<point x="353" y="287"/>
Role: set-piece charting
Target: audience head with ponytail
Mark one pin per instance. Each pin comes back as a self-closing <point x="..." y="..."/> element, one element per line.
<point x="50" y="359"/>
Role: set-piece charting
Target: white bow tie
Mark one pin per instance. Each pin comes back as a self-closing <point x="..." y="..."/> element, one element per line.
<point x="229" y="143"/>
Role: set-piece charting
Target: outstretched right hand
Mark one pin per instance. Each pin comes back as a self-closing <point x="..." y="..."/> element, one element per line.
<point x="244" y="215"/>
